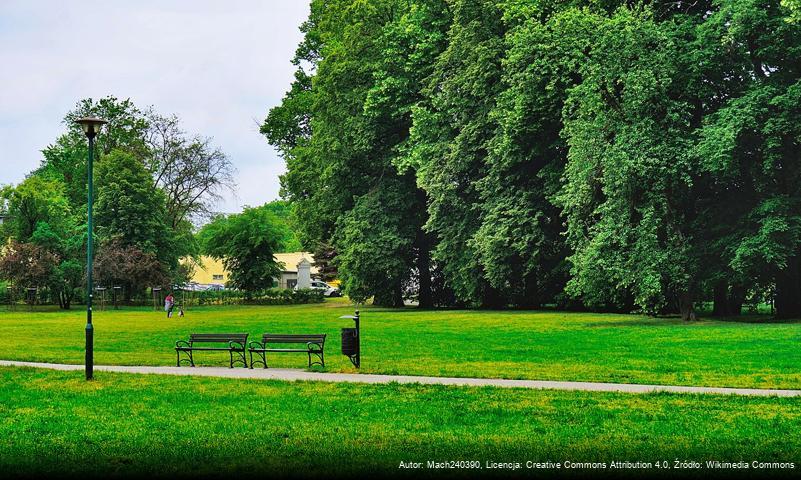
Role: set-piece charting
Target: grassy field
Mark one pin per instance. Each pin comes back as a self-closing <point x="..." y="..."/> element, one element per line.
<point x="56" y="423"/>
<point x="544" y="345"/>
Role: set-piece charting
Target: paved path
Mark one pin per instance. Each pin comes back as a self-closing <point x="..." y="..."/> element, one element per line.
<point x="287" y="374"/>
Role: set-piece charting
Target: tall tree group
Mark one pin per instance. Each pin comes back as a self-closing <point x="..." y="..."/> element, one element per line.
<point x="590" y="153"/>
<point x="152" y="181"/>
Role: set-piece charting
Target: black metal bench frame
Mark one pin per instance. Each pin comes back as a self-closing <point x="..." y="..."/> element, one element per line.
<point x="315" y="345"/>
<point x="236" y="344"/>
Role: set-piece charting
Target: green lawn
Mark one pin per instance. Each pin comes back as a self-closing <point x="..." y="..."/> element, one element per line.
<point x="543" y="345"/>
<point x="57" y="423"/>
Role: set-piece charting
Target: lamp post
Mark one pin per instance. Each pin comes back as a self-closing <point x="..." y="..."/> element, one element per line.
<point x="91" y="127"/>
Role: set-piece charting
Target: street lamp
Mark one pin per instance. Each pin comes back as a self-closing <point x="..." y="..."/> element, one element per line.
<point x="91" y="127"/>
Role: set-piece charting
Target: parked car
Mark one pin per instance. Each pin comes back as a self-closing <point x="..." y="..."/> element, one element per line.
<point x="328" y="290"/>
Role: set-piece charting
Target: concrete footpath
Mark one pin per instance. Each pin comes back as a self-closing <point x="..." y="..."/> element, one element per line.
<point x="287" y="374"/>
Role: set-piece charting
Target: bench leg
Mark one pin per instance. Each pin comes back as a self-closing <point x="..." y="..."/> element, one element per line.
<point x="319" y="355"/>
<point x="188" y="359"/>
<point x="242" y="357"/>
<point x="263" y="360"/>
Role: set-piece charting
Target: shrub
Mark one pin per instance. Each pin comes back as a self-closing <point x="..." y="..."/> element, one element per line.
<point x="272" y="296"/>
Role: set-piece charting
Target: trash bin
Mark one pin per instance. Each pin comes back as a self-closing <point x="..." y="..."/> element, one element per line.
<point x="350" y="342"/>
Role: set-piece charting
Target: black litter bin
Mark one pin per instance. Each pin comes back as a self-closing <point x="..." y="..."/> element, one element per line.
<point x="350" y="342"/>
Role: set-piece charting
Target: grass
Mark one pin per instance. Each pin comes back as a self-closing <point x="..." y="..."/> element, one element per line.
<point x="55" y="423"/>
<point x="544" y="345"/>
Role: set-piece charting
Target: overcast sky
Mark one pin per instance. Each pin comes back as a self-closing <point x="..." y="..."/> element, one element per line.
<point x="219" y="65"/>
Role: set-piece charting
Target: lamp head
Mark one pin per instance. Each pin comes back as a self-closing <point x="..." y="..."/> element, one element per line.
<point x="91" y="125"/>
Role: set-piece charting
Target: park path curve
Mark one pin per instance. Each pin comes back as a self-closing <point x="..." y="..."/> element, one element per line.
<point x="287" y="374"/>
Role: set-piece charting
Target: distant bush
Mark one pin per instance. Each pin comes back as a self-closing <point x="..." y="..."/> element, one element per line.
<point x="272" y="296"/>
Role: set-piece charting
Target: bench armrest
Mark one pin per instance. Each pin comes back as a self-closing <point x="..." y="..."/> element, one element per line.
<point x="182" y="343"/>
<point x="254" y="344"/>
<point x="310" y="344"/>
<point x="236" y="345"/>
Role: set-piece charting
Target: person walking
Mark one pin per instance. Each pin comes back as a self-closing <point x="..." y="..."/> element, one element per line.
<point x="169" y="303"/>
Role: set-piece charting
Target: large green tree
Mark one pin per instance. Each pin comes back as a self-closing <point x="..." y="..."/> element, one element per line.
<point x="128" y="209"/>
<point x="40" y="215"/>
<point x="342" y="130"/>
<point x="600" y="152"/>
<point x="750" y="145"/>
<point x="246" y="243"/>
<point x="449" y="143"/>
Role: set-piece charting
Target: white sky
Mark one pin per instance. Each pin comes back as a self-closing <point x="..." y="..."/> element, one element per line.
<point x="218" y="65"/>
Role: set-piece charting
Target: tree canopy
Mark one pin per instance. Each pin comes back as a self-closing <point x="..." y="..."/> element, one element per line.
<point x="590" y="154"/>
<point x="151" y="181"/>
<point x="246" y="243"/>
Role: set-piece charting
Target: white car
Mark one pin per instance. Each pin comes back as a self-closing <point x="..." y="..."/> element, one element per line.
<point x="328" y="290"/>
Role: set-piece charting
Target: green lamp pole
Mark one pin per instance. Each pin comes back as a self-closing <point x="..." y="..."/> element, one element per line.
<point x="91" y="126"/>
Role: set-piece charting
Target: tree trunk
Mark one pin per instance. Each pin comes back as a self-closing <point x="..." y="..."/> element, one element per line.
<point x="788" y="291"/>
<point x="686" y="307"/>
<point x="424" y="269"/>
<point x="728" y="299"/>
<point x="398" y="300"/>
<point x="720" y="307"/>
<point x="491" y="298"/>
<point x="736" y="300"/>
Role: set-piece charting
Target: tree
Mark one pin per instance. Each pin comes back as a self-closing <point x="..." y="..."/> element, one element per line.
<point x="66" y="242"/>
<point x="520" y="243"/>
<point x="189" y="170"/>
<point x="449" y="142"/>
<point x="282" y="213"/>
<point x="128" y="208"/>
<point x="127" y="266"/>
<point x="35" y="200"/>
<point x="341" y="129"/>
<point x="627" y="196"/>
<point x="601" y="153"/>
<point x="40" y="215"/>
<point x="27" y="265"/>
<point x="246" y="244"/>
<point x="751" y="144"/>
<point x="373" y="241"/>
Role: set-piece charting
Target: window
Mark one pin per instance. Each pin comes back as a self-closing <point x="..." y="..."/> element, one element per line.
<point x="291" y="283"/>
<point x="216" y="277"/>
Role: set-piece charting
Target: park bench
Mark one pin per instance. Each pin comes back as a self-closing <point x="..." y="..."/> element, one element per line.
<point x="233" y="343"/>
<point x="314" y="345"/>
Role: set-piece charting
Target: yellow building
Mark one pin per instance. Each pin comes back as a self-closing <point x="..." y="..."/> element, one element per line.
<point x="209" y="271"/>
